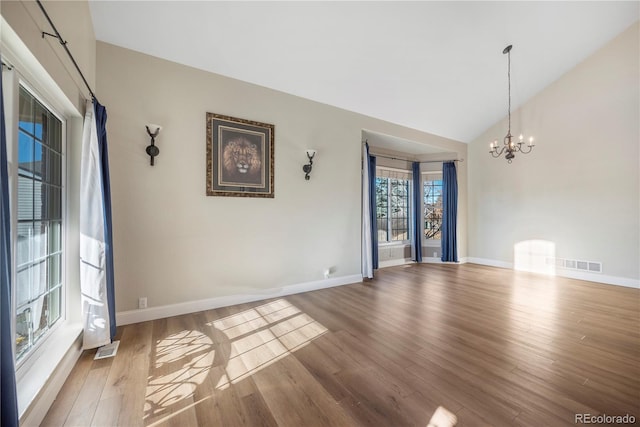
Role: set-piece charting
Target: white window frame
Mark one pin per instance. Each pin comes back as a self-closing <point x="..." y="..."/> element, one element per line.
<point x="429" y="243"/>
<point x="406" y="242"/>
<point x="32" y="353"/>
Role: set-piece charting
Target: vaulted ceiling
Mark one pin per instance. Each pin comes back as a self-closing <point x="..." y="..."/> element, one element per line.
<point x="432" y="66"/>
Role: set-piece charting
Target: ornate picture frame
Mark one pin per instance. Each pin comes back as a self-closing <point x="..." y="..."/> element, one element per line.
<point x="240" y="157"/>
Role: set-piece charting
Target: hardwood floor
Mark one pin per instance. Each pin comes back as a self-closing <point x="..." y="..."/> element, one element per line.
<point x="492" y="346"/>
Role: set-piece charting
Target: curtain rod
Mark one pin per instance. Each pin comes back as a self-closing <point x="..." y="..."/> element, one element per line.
<point x="407" y="160"/>
<point x="420" y="161"/>
<point x="64" y="44"/>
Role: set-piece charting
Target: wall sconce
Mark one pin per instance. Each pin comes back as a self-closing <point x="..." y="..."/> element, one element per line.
<point x="153" y="131"/>
<point x="307" y="168"/>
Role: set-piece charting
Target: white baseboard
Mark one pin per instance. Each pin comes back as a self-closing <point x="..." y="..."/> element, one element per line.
<point x="152" y="313"/>
<point x="600" y="278"/>
<point x="490" y="262"/>
<point x="571" y="274"/>
<point x="394" y="262"/>
<point x="438" y="260"/>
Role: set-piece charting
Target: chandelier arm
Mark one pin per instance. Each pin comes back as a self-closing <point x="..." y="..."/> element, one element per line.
<point x="528" y="151"/>
<point x="497" y="153"/>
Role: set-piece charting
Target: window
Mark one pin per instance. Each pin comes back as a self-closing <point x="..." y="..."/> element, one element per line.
<point x="39" y="237"/>
<point x="392" y="205"/>
<point x="432" y="186"/>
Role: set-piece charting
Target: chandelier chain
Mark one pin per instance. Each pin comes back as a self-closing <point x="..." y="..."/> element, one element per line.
<point x="509" y="79"/>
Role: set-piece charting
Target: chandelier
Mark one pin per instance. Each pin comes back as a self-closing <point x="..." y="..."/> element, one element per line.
<point x="510" y="147"/>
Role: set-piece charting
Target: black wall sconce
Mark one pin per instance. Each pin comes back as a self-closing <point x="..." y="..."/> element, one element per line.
<point x="307" y="168"/>
<point x="153" y="131"/>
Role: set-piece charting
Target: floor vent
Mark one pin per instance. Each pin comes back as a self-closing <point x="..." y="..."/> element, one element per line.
<point x="109" y="350"/>
<point x="572" y="264"/>
<point x="595" y="267"/>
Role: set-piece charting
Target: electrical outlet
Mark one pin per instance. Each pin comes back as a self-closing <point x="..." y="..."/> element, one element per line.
<point x="142" y="302"/>
<point x="435" y="254"/>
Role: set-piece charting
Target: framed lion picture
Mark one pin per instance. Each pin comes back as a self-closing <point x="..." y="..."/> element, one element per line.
<point x="239" y="157"/>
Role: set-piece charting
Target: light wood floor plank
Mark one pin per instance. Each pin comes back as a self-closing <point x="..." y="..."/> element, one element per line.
<point x="61" y="407"/>
<point x="85" y="405"/>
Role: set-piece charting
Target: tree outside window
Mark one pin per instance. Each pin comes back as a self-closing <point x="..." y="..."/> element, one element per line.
<point x="392" y="209"/>
<point x="432" y="186"/>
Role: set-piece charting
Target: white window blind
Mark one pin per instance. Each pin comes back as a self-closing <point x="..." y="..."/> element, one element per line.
<point x="383" y="172"/>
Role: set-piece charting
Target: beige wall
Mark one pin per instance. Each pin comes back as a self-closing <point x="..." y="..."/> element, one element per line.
<point x="174" y="244"/>
<point x="580" y="187"/>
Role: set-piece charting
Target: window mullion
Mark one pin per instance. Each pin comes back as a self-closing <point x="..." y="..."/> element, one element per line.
<point x="389" y="230"/>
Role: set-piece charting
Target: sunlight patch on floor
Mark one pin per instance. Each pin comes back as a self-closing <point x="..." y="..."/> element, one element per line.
<point x="442" y="417"/>
<point x="224" y="352"/>
<point x="186" y="408"/>
<point x="533" y="256"/>
<point x="264" y="335"/>
<point x="184" y="360"/>
<point x="533" y="298"/>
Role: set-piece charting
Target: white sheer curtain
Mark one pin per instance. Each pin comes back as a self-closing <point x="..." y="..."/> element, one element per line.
<point x="367" y="238"/>
<point x="93" y="279"/>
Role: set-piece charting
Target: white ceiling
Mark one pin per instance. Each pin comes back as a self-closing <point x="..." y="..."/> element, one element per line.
<point x="433" y="66"/>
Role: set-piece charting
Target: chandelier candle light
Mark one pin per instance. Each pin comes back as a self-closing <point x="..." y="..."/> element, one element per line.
<point x="509" y="145"/>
